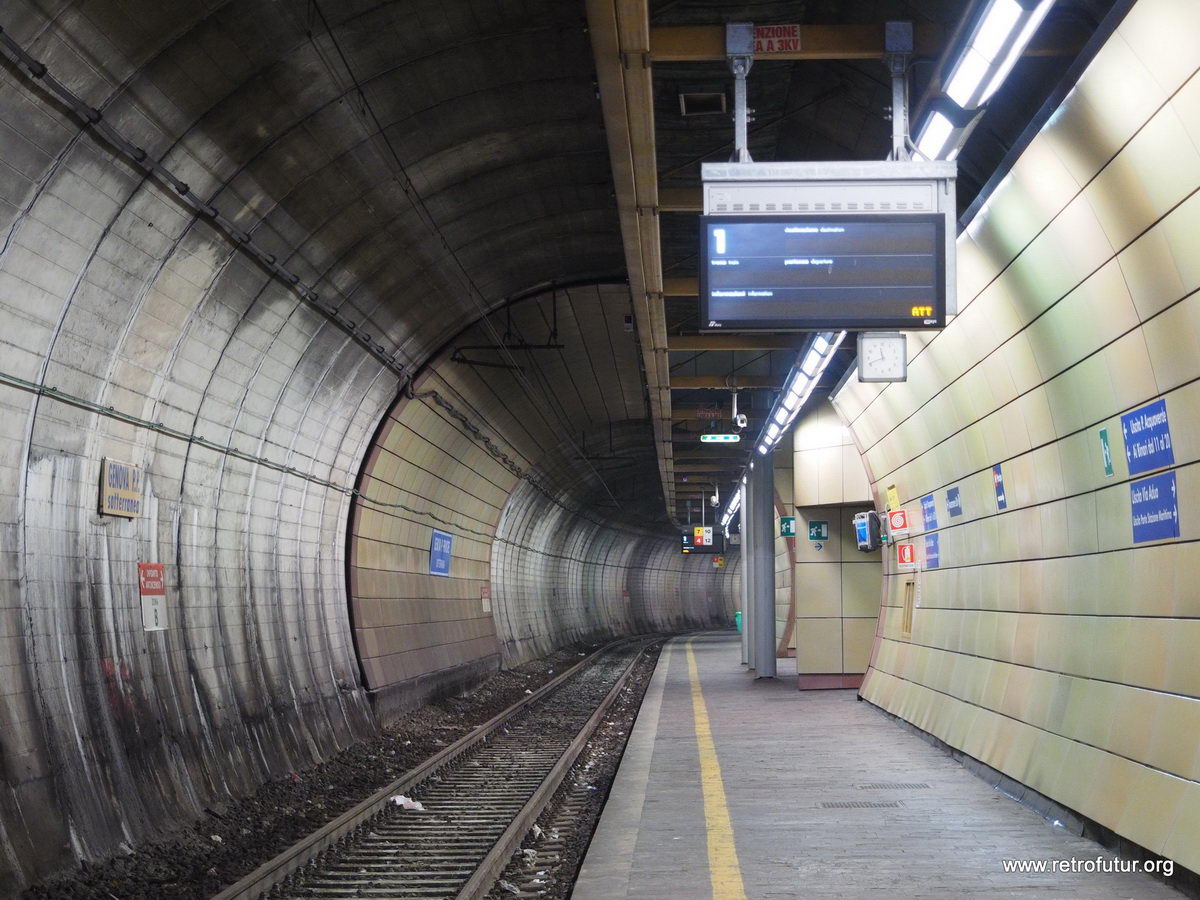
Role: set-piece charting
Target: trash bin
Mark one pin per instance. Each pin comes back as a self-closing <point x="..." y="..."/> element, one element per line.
<point x="737" y="618"/>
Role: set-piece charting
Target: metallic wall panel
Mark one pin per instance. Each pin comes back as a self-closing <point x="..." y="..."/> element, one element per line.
<point x="1047" y="643"/>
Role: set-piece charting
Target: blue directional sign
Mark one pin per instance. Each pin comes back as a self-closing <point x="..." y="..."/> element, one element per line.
<point x="439" y="552"/>
<point x="998" y="481"/>
<point x="1147" y="436"/>
<point x="929" y="512"/>
<point x="1154" y="508"/>
<point x="932" y="551"/>
<point x="954" y="502"/>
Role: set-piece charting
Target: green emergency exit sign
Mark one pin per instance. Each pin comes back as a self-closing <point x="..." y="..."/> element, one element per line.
<point x="787" y="526"/>
<point x="818" y="530"/>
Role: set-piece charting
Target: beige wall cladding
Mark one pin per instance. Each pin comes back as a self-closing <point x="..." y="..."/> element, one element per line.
<point x="1046" y="641"/>
<point x="837" y="594"/>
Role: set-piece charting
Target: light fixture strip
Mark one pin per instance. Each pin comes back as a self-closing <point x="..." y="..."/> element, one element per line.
<point x="806" y="373"/>
<point x="1000" y="35"/>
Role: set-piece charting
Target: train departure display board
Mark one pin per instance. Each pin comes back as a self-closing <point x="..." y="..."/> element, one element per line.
<point x="822" y="272"/>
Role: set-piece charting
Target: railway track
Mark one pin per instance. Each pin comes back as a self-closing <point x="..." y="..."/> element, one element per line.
<point x="480" y="796"/>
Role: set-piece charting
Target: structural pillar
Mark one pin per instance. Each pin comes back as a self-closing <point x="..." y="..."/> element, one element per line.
<point x="747" y="616"/>
<point x="762" y="558"/>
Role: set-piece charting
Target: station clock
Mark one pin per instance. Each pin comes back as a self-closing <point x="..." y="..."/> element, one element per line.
<point x="882" y="356"/>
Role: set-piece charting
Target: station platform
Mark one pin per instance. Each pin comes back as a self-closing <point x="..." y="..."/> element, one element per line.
<point x="732" y="788"/>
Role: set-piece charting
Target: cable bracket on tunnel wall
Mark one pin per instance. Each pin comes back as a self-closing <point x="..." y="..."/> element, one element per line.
<point x="241" y="238"/>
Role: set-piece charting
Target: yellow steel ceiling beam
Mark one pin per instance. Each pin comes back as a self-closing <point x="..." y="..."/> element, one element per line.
<point x="703" y="414"/>
<point x="680" y="199"/>
<point x="736" y="341"/>
<point x="697" y="382"/>
<point x="681" y="287"/>
<point x="620" y="35"/>
<point x="706" y="43"/>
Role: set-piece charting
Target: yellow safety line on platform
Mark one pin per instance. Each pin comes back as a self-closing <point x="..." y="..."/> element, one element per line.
<point x="723" y="868"/>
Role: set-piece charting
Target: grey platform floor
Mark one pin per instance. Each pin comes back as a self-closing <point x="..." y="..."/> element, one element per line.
<point x="782" y="755"/>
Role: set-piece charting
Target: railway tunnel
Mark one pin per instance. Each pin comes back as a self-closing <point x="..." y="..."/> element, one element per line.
<point x="362" y="376"/>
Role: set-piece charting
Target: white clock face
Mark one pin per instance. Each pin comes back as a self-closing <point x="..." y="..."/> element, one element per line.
<point x="882" y="357"/>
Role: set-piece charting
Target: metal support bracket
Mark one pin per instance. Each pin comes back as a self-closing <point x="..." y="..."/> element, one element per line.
<point x="739" y="51"/>
<point x="898" y="50"/>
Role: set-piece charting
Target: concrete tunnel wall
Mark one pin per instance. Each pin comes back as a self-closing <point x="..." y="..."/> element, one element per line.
<point x="540" y="558"/>
<point x="1046" y="643"/>
<point x="134" y="330"/>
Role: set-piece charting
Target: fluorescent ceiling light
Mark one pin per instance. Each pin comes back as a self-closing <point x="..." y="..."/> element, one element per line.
<point x="996" y="44"/>
<point x="772" y="431"/>
<point x="996" y="27"/>
<point x="968" y="76"/>
<point x="820" y="344"/>
<point x="1018" y="47"/>
<point x="933" y="139"/>
<point x="791" y="401"/>
<point x="811" y="360"/>
<point x="781" y="415"/>
<point x="763" y="448"/>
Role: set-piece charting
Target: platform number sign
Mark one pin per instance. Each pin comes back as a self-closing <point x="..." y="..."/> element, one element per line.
<point x="441" y="545"/>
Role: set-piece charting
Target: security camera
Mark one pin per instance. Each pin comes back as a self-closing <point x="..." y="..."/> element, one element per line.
<point x="740" y="421"/>
<point x="714" y="500"/>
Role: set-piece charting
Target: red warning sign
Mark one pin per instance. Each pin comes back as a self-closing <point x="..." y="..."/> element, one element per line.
<point x="906" y="556"/>
<point x="776" y="39"/>
<point x="898" y="521"/>
<point x="151" y="580"/>
<point x="152" y="587"/>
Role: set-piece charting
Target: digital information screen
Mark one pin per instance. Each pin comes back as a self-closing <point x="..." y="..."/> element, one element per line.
<point x="833" y="272"/>
<point x="703" y="540"/>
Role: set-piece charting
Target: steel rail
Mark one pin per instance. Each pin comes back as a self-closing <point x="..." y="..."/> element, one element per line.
<point x="278" y="868"/>
<point x="497" y="859"/>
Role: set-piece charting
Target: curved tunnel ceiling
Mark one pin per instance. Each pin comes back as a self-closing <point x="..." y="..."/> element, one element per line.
<point x="437" y="156"/>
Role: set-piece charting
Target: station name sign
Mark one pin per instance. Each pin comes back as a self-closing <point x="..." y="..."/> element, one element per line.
<point x="120" y="489"/>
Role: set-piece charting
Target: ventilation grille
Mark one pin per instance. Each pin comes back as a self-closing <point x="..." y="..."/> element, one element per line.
<point x="861" y="804"/>
<point x="894" y="786"/>
<point x="849" y="206"/>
